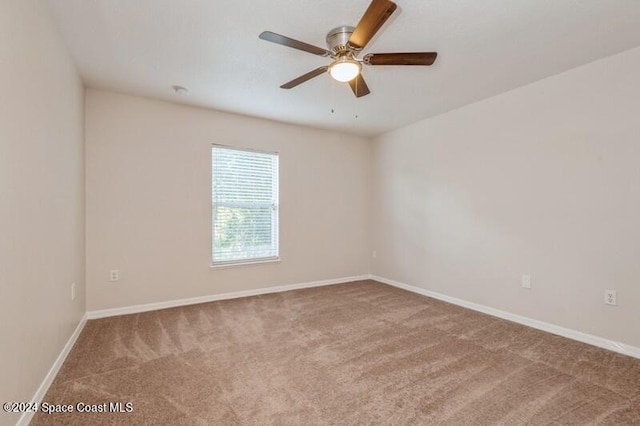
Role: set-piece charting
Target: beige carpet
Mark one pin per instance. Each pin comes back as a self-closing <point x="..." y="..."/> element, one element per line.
<point x="360" y="353"/>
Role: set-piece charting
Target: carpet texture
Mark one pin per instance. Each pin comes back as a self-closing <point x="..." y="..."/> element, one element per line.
<point x="361" y="353"/>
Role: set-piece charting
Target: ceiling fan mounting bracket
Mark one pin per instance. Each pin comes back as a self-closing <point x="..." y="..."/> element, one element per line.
<point x="338" y="39"/>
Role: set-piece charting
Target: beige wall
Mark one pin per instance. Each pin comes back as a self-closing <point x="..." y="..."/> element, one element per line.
<point x="41" y="198"/>
<point x="149" y="201"/>
<point x="543" y="180"/>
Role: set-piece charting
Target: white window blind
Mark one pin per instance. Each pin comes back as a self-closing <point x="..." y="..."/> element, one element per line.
<point x="245" y="205"/>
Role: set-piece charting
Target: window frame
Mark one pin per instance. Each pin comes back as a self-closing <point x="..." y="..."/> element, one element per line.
<point x="275" y="218"/>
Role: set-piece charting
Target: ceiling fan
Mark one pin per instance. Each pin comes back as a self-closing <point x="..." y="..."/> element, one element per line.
<point x="345" y="43"/>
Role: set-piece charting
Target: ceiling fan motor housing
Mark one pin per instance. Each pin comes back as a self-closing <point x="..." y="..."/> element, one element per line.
<point x="338" y="38"/>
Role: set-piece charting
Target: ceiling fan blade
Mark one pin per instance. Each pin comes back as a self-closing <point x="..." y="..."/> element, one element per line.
<point x="376" y="15"/>
<point x="359" y="86"/>
<point x="296" y="44"/>
<point x="308" y="76"/>
<point x="415" y="58"/>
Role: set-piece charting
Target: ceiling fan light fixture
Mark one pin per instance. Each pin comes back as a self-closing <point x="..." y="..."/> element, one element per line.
<point x="345" y="69"/>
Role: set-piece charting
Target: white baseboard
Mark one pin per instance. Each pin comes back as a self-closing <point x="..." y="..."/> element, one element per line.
<point x="215" y="297"/>
<point x="53" y="371"/>
<point x="540" y="325"/>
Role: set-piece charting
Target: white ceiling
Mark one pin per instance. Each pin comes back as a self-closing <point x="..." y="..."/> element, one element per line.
<point x="211" y="47"/>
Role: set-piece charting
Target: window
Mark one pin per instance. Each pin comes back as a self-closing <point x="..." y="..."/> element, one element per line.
<point x="245" y="206"/>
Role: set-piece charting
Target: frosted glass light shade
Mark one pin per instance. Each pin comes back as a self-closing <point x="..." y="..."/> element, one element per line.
<point x="344" y="70"/>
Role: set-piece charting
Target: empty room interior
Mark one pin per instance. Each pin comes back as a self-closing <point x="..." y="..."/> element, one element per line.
<point x="355" y="212"/>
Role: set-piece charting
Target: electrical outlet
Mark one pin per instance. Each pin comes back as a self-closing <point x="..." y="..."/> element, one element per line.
<point x="374" y="254"/>
<point x="526" y="281"/>
<point x="73" y="291"/>
<point x="610" y="298"/>
<point x="114" y="275"/>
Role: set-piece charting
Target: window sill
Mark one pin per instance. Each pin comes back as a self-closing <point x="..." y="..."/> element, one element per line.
<point x="246" y="263"/>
